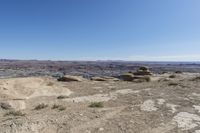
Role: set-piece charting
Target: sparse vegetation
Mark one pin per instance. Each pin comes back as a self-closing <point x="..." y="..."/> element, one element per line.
<point x="41" y="106"/>
<point x="59" y="107"/>
<point x="5" y="106"/>
<point x="62" y="97"/>
<point x="96" y="105"/>
<point x="55" y="106"/>
<point x="173" y="84"/>
<point x="15" y="113"/>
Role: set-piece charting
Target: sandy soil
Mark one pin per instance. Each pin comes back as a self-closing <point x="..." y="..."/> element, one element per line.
<point x="163" y="105"/>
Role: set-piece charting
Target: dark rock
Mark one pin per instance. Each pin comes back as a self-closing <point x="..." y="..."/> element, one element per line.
<point x="127" y="77"/>
<point x="67" y="78"/>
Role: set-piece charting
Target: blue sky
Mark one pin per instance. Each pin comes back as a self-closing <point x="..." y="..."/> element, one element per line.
<point x="156" y="30"/>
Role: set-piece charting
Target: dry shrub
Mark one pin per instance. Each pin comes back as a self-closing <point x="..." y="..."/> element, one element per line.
<point x="62" y="97"/>
<point x="173" y="84"/>
<point x="59" y="107"/>
<point x="96" y="105"/>
<point x="15" y="113"/>
<point x="5" y="106"/>
<point x="41" y="106"/>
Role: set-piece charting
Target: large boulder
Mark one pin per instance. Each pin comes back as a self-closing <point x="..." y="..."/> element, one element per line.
<point x="69" y="78"/>
<point x="127" y="77"/>
<point x="142" y="79"/>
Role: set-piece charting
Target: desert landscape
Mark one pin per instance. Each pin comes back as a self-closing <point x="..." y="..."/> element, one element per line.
<point x="99" y="66"/>
<point x="139" y="100"/>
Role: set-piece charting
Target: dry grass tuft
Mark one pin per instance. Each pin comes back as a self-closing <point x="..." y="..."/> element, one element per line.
<point x="59" y="107"/>
<point x="41" y="106"/>
<point x="96" y="105"/>
<point x="15" y="113"/>
<point x="173" y="84"/>
<point x="62" y="97"/>
<point x="5" y="106"/>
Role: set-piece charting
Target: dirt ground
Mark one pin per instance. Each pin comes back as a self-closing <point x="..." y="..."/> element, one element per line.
<point x="164" y="105"/>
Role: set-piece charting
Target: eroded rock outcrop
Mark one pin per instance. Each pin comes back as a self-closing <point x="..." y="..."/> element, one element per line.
<point x="69" y="78"/>
<point x="143" y="71"/>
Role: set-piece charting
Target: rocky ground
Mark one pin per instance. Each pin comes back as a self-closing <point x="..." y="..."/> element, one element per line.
<point x="45" y="105"/>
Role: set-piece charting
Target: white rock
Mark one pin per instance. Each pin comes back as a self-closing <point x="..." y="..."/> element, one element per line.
<point x="149" y="106"/>
<point x="197" y="108"/>
<point x="101" y="129"/>
<point x="197" y="131"/>
<point x="172" y="107"/>
<point x="161" y="101"/>
<point x="187" y="121"/>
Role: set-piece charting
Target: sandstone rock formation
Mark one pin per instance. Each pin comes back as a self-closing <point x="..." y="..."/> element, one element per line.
<point x="143" y="71"/>
<point x="105" y="78"/>
<point x="127" y="77"/>
<point x="68" y="78"/>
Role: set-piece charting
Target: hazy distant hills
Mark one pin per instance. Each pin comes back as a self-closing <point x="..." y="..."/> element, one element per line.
<point x="109" y="68"/>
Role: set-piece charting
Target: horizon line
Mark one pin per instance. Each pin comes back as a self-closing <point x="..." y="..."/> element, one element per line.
<point x="108" y="60"/>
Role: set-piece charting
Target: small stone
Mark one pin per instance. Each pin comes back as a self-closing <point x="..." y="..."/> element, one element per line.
<point x="88" y="131"/>
<point x="101" y="129"/>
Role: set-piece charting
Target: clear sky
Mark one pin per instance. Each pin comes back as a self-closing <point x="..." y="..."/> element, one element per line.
<point x="157" y="30"/>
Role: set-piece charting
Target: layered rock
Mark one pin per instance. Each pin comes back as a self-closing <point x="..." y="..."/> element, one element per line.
<point x="143" y="71"/>
<point x="127" y="77"/>
<point x="69" y="78"/>
<point x="105" y="78"/>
